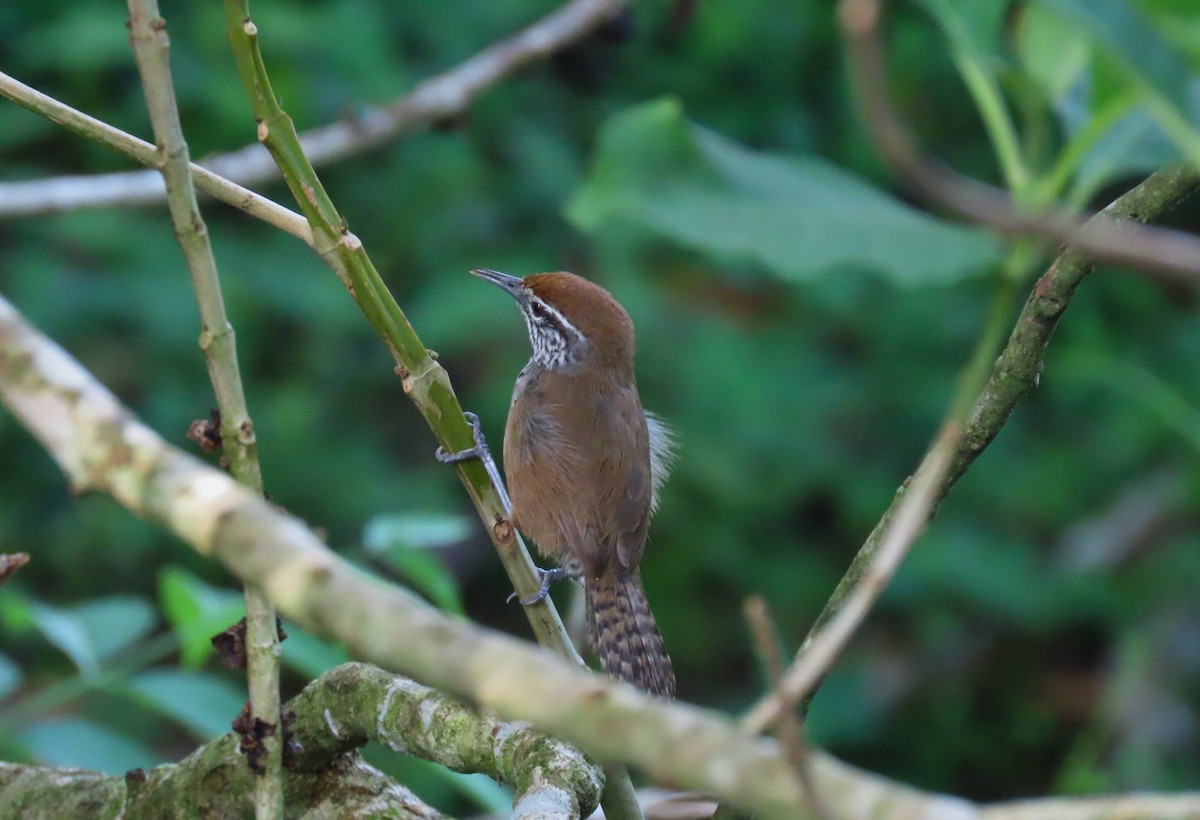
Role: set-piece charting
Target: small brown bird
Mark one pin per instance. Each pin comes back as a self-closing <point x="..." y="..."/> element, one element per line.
<point x="584" y="463"/>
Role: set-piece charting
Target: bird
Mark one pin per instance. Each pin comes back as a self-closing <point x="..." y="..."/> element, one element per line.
<point x="584" y="463"/>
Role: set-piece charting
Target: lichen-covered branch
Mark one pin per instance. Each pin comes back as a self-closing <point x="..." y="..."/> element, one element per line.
<point x="211" y="782"/>
<point x="438" y="99"/>
<point x="335" y="716"/>
<point x="364" y="703"/>
<point x="148" y="34"/>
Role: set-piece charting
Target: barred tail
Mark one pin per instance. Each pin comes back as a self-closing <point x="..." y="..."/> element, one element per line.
<point x="624" y="635"/>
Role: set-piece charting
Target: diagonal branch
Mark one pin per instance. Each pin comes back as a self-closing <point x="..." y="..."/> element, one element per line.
<point x="1016" y="372"/>
<point x="980" y="407"/>
<point x="424" y="380"/>
<point x="440" y="98"/>
<point x="101" y="447"/>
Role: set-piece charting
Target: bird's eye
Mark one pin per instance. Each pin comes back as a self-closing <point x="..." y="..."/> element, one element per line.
<point x="540" y="311"/>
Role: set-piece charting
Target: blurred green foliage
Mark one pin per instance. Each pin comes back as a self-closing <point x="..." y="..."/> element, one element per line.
<point x="799" y="324"/>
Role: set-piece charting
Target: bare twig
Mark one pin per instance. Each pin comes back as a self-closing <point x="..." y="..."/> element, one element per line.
<point x="905" y="523"/>
<point x="144" y="153"/>
<point x="790" y="731"/>
<point x="1142" y="248"/>
<point x="102" y="447"/>
<point x="440" y="98"/>
<point x="147" y="33"/>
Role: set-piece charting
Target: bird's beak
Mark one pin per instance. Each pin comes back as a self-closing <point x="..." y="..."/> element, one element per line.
<point x="514" y="285"/>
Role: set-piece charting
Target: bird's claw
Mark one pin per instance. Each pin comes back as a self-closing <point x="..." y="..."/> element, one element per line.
<point x="480" y="450"/>
<point x="548" y="577"/>
<point x="484" y="454"/>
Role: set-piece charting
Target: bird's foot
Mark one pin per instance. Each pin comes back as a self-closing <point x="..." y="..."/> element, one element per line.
<point x="548" y="576"/>
<point x="482" y="452"/>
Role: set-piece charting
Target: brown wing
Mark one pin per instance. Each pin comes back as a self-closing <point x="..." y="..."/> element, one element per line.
<point x="580" y="476"/>
<point x="634" y="503"/>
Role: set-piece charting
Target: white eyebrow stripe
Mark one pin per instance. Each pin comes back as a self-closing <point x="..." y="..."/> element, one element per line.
<point x="559" y="318"/>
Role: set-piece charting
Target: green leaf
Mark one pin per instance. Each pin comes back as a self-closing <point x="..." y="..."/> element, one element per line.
<point x="488" y="795"/>
<point x="1054" y="53"/>
<point x="404" y="542"/>
<point x="196" y="611"/>
<point x="95" y="630"/>
<point x="204" y="703"/>
<point x="1134" y="41"/>
<point x="973" y="31"/>
<point x="1134" y="56"/>
<point x="10" y="675"/>
<point x="798" y="217"/>
<point x="75" y="742"/>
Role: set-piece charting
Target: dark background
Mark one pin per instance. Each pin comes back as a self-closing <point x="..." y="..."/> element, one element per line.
<point x="1043" y="637"/>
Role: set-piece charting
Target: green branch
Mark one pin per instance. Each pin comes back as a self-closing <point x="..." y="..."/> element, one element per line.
<point x="423" y="379"/>
<point x="146" y="154"/>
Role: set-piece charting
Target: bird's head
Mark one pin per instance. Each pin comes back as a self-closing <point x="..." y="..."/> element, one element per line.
<point x="570" y="319"/>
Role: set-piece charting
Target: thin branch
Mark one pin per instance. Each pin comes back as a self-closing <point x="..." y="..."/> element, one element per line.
<point x="144" y="153"/>
<point x="1014" y="373"/>
<point x="904" y="524"/>
<point x="102" y="447"/>
<point x="1142" y="248"/>
<point x="791" y="730"/>
<point x="148" y="35"/>
<point x="441" y="98"/>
